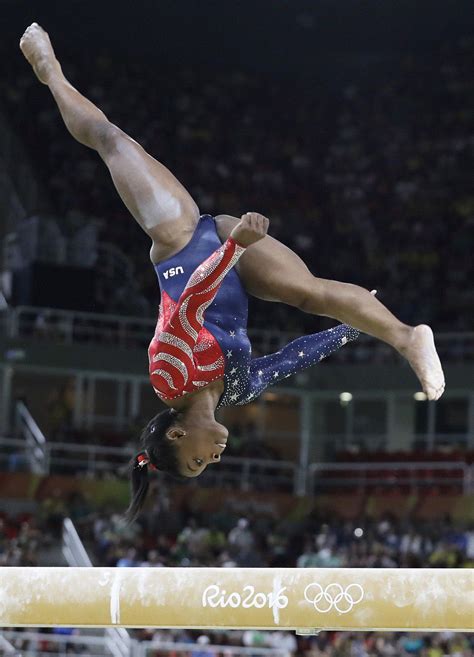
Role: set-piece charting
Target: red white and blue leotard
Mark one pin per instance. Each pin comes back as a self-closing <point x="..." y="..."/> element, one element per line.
<point x="201" y="333"/>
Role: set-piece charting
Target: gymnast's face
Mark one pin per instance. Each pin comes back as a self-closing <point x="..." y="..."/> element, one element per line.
<point x="198" y="446"/>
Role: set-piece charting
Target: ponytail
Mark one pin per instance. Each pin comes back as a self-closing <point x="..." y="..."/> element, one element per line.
<point x="140" y="486"/>
<point x="158" y="453"/>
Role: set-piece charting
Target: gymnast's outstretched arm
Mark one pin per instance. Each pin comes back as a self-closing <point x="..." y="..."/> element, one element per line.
<point x="171" y="358"/>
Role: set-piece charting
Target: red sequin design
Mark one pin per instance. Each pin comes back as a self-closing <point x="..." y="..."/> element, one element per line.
<point x="183" y="355"/>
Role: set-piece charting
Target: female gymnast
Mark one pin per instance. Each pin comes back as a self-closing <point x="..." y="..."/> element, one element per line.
<point x="200" y="355"/>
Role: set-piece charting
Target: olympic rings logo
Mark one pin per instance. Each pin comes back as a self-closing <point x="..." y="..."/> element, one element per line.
<point x="334" y="596"/>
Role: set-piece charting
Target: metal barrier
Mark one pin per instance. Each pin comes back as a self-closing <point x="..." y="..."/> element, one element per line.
<point x="72" y="548"/>
<point x="13" y="454"/>
<point x="243" y="473"/>
<point x="327" y="476"/>
<point x="70" y="327"/>
<point x="251" y="474"/>
<point x="117" y="640"/>
<point x="84" y="457"/>
<point x="6" y="647"/>
<point x="42" y="457"/>
<point x="35" y="442"/>
<point x="335" y="444"/>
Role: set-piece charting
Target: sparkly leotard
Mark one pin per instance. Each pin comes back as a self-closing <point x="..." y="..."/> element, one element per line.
<point x="201" y="333"/>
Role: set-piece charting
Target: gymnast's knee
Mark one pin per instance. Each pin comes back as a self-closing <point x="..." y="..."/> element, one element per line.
<point x="312" y="297"/>
<point x="325" y="297"/>
<point x="106" y="136"/>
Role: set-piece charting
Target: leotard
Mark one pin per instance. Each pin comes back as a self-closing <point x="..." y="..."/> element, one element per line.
<point x="201" y="333"/>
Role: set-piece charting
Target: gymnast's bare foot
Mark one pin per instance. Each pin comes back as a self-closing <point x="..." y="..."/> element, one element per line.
<point x="420" y="351"/>
<point x="37" y="49"/>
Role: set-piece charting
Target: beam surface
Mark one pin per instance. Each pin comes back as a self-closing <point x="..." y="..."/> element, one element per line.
<point x="290" y="598"/>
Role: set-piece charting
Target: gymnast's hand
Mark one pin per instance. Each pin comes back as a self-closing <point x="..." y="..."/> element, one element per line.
<point x="251" y="228"/>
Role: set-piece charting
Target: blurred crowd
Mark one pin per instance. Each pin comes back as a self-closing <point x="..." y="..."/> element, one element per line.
<point x="28" y="539"/>
<point x="20" y="541"/>
<point x="380" y="168"/>
<point x="257" y="539"/>
<point x="165" y="538"/>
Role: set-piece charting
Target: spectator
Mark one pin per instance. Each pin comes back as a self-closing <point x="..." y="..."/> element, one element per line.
<point x="240" y="537"/>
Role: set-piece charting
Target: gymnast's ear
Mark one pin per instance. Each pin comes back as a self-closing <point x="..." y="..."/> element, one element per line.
<point x="175" y="433"/>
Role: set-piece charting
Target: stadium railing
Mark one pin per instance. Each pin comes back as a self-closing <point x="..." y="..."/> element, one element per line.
<point x="31" y="450"/>
<point x="69" y="458"/>
<point x="324" y="477"/>
<point x="431" y="441"/>
<point x="69" y="327"/>
<point x="246" y="473"/>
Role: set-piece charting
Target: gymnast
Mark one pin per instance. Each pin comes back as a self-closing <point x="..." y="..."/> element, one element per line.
<point x="200" y="355"/>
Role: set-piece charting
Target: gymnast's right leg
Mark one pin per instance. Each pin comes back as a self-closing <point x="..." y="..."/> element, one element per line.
<point x="155" y="198"/>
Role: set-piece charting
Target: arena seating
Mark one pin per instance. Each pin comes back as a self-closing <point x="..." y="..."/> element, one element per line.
<point x="379" y="168"/>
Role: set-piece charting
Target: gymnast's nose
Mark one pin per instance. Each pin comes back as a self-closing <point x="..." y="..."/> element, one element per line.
<point x="216" y="453"/>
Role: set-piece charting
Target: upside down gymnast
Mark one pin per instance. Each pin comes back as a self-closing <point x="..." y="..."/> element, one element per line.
<point x="200" y="355"/>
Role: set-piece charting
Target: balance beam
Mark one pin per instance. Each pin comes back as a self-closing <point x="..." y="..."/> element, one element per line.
<point x="300" y="599"/>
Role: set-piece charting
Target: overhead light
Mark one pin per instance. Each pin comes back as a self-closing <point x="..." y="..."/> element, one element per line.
<point x="345" y="397"/>
<point x="420" y="396"/>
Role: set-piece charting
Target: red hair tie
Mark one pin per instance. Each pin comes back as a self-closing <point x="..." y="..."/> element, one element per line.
<point x="143" y="460"/>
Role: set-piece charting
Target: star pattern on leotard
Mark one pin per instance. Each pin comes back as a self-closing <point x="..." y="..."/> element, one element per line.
<point x="246" y="379"/>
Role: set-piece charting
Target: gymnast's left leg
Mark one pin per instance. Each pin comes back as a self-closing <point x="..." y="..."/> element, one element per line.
<point x="273" y="272"/>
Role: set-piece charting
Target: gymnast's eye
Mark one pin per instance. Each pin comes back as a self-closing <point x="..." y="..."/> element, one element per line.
<point x="199" y="461"/>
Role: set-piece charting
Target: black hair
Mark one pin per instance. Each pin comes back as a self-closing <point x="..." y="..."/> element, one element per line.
<point x="160" y="454"/>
